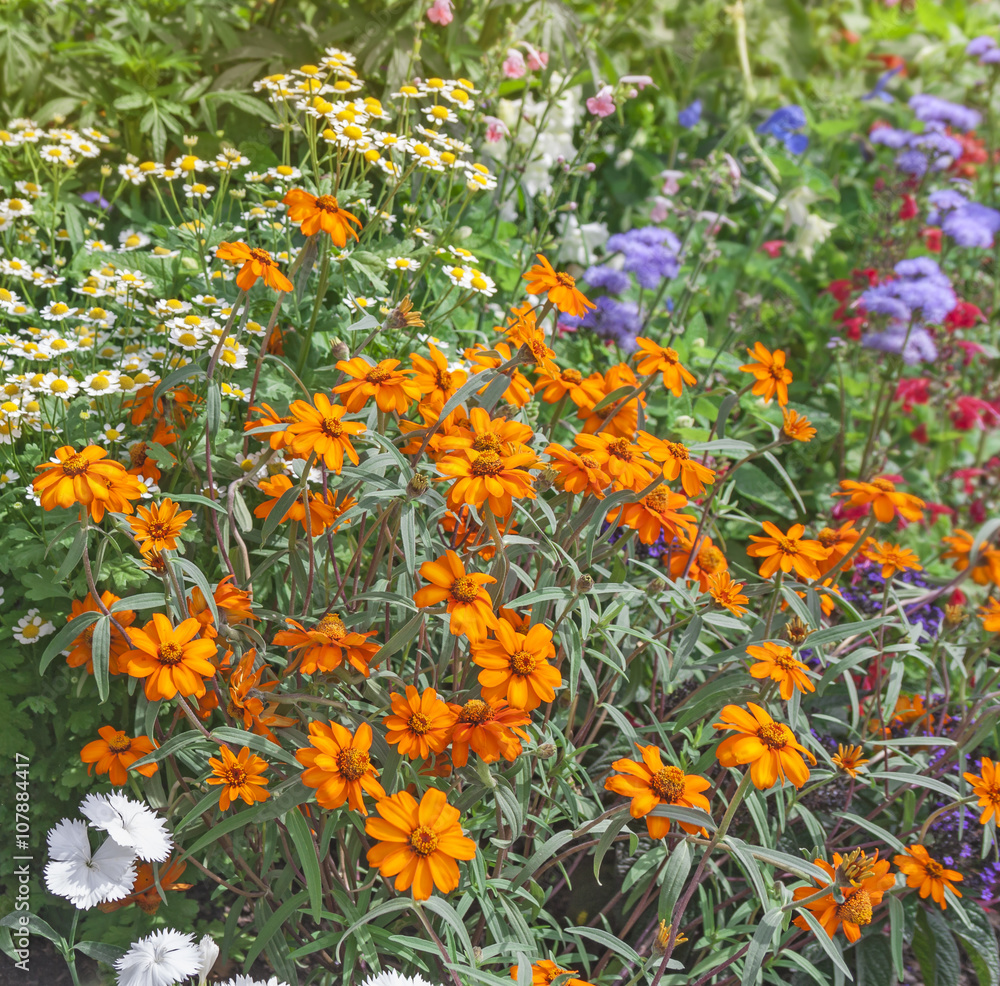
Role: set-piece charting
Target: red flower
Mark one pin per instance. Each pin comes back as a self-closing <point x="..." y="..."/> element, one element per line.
<point x="919" y="434"/>
<point x="964" y="315"/>
<point x="909" y="207"/>
<point x="852" y="327"/>
<point x="973" y="412"/>
<point x="910" y="392"/>
<point x="773" y="248"/>
<point x="931" y="236"/>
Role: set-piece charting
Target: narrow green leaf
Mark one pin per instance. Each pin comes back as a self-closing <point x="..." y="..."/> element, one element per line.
<point x="760" y="945"/>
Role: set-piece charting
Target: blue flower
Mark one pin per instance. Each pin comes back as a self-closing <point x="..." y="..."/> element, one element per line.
<point x="883" y="80"/>
<point x="611" y="280"/>
<point x="689" y="118"/>
<point x="783" y="123"/>
<point x="978" y="47"/>
<point x="972" y="225"/>
<point x="912" y="163"/>
<point x="932" y="109"/>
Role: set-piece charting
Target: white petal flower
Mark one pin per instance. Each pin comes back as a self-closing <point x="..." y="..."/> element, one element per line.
<point x="208" y="952"/>
<point x="393" y="978"/>
<point x="160" y="959"/>
<point x="85" y="877"/>
<point x="248" y="981"/>
<point x="129" y="823"/>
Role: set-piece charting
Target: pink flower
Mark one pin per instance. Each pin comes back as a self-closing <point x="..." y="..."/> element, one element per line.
<point x="440" y="12"/>
<point x="513" y="66"/>
<point x="602" y="104"/>
<point x="637" y="80"/>
<point x="661" y="209"/>
<point x="773" y="248"/>
<point x="537" y="60"/>
<point x="496" y="130"/>
<point x="671" y="186"/>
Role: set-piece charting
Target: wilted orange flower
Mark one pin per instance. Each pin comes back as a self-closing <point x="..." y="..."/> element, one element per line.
<point x="419" y="724"/>
<point x="727" y="593"/>
<point x="769" y="747"/>
<point x="771" y="375"/>
<point x="319" y="428"/>
<point x="516" y="666"/>
<point x="583" y="393"/>
<point x="987" y="789"/>
<point x="544" y="972"/>
<point x="144" y="893"/>
<point x="622" y="460"/>
<point x="797" y="427"/>
<point x="990" y="615"/>
<point x="560" y="288"/>
<point x="326" y="645"/>
<point x="885" y="500"/>
<point x="86" y="477"/>
<point x="115" y="752"/>
<point x="321" y="513"/>
<point x="987" y="567"/>
<point x="838" y="541"/>
<point x="786" y="551"/>
<point x="488" y="477"/>
<point x="707" y="562"/>
<point x="231" y="601"/>
<point x="654" y="358"/>
<point x="170" y="658"/>
<point x="81" y="650"/>
<point x="490" y="727"/>
<point x="469" y="604"/>
<point x="922" y="871"/>
<point x="256" y="263"/>
<point x="269" y="418"/>
<point x="849" y="759"/>
<point x="778" y="664"/>
<point x="156" y="528"/>
<point x="577" y="473"/>
<point x="339" y="767"/>
<point x="392" y="389"/>
<point x="892" y="557"/>
<point x="433" y="379"/>
<point x="651" y="783"/>
<point x="314" y="213"/>
<point x="246" y="706"/>
<point x="854" y="911"/>
<point x="240" y="775"/>
<point x="418" y="843"/>
<point x="677" y="461"/>
<point x="656" y="515"/>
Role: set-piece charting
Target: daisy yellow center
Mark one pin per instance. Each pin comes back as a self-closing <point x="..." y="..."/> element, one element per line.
<point x="423" y="840"/>
<point x="522" y="662"/>
<point x="676" y="450"/>
<point x="488" y="442"/>
<point x="933" y="867"/>
<point x="75" y="465"/>
<point x="332" y="626"/>
<point x="885" y="485"/>
<point x="170" y="654"/>
<point x="327" y="203"/>
<point x="464" y="589"/>
<point x="620" y="450"/>
<point x="30" y="631"/>
<point x="487" y="464"/>
<point x="332" y="427"/>
<point x="377" y="374"/>
<point x="235" y="775"/>
<point x="772" y="735"/>
<point x="353" y="764"/>
<point x="857" y="908"/>
<point x="668" y="783"/>
<point x="419" y="723"/>
<point x="119" y="743"/>
<point x="262" y="257"/>
<point x="476" y="711"/>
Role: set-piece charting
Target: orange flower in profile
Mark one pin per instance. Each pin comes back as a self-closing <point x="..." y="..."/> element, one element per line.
<point x="240" y="777"/>
<point x="892" y="558"/>
<point x="319" y="428"/>
<point x="849" y="759"/>
<point x="962" y="549"/>
<point x="418" y="843"/>
<point x="886" y="501"/>
<point x="524" y="335"/>
<point x="519" y="392"/>
<point x="433" y="379"/>
<point x="987" y="789"/>
<point x="676" y="461"/>
<point x="157" y="527"/>
<point x="838" y="541"/>
<point x="392" y="389"/>
<point x="516" y="666"/>
<point x="778" y="664"/>
<point x="81" y="650"/>
<point x="115" y="752"/>
<point x="577" y="473"/>
<point x="321" y="513"/>
<point x="922" y="871"/>
<point x="488" y="477"/>
<point x="618" y="417"/>
<point x="232" y="602"/>
<point x="654" y="358"/>
<point x="560" y="288"/>
<point x="338" y="766"/>
<point x="727" y="593"/>
<point x="544" y="972"/>
<point x="651" y="783"/>
<point x="469" y="604"/>
<point x="797" y="428"/>
<point x="170" y="658"/>
<point x="256" y="263"/>
<point x="990" y="615"/>
<point x="786" y="551"/>
<point x="622" y="460"/>
<point x="326" y="645"/>
<point x="707" y="562"/>
<point x="854" y="911"/>
<point x="769" y="747"/>
<point x="86" y="477"/>
<point x="770" y="374"/>
<point x="245" y="685"/>
<point x="314" y="213"/>
<point x="490" y="728"/>
<point x="419" y="724"/>
<point x="144" y="893"/>
<point x="656" y="515"/>
<point x="554" y="387"/>
<point x="269" y="418"/>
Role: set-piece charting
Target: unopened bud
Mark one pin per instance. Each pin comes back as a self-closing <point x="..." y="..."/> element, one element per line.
<point x="795" y="631"/>
<point x="106" y="170"/>
<point x="417" y="486"/>
<point x="584" y="584"/>
<point x="190" y="140"/>
<point x="545" y="480"/>
<point x="546" y="750"/>
<point x="663" y="938"/>
<point x="237" y="193"/>
<point x="340" y="350"/>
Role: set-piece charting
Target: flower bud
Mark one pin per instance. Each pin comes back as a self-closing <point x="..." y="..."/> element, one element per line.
<point x="795" y="631"/>
<point x="340" y="350"/>
<point x="190" y="140"/>
<point x="417" y="486"/>
<point x="584" y="584"/>
<point x="546" y="750"/>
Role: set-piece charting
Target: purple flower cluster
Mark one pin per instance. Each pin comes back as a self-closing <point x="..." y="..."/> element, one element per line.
<point x="689" y="117"/>
<point x="612" y="320"/>
<point x="969" y="224"/>
<point x="783" y="124"/>
<point x="919" y="151"/>
<point x="650" y="252"/>
<point x="865" y="593"/>
<point x="932" y="109"/>
<point x="985" y="49"/>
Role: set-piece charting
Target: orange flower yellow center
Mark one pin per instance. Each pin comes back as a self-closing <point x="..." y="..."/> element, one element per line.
<point x="772" y="735"/>
<point x="332" y="427"/>
<point x="464" y="589"/>
<point x="170" y="654"/>
<point x="332" y="626"/>
<point x="137" y="454"/>
<point x="933" y="867"/>
<point x="235" y="775"/>
<point x="327" y="203"/>
<point x="668" y="783"/>
<point x="522" y="662"/>
<point x="75" y="465"/>
<point x="476" y="711"/>
<point x="620" y="450"/>
<point x="488" y="442"/>
<point x="657" y="502"/>
<point x="377" y="374"/>
<point x="119" y="743"/>
<point x="262" y="257"/>
<point x="885" y="485"/>
<point x="419" y="723"/>
<point x="353" y="764"/>
<point x="423" y="840"/>
<point x="711" y="559"/>
<point x="857" y="908"/>
<point x="487" y="464"/>
<point x="572" y="376"/>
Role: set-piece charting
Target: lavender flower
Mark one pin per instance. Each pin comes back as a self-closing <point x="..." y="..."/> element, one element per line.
<point x="650" y="252"/>
<point x="611" y="280"/>
<point x="912" y="163"/>
<point x="615" y="321"/>
<point x="978" y="47"/>
<point x="972" y="225"/>
<point x="944" y="200"/>
<point x="783" y="123"/>
<point x="891" y="137"/>
<point x="883" y="80"/>
<point x="688" y="118"/>
<point x="933" y="109"/>
<point x="918" y="348"/>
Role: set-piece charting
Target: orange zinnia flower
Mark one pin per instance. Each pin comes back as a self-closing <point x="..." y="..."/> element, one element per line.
<point x="778" y="664"/>
<point x="418" y="843"/>
<point x="115" y="752"/>
<point x="170" y="658"/>
<point x="419" y="724"/>
<point x="617" y="417"/>
<point x="544" y="972"/>
<point x="771" y="376"/>
<point x="797" y="428"/>
<point x="241" y="777"/>
<point x="269" y="418"/>
<point x="522" y="331"/>
<point x="327" y="644"/>
<point x="469" y="604"/>
<point x="144" y="893"/>
<point x="519" y="392"/>
<point x="86" y="477"/>
<point x="838" y="541"/>
<point x="314" y="213"/>
<point x="849" y="759"/>
<point x="892" y="557"/>
<point x="622" y="460"/>
<point x="490" y="728"/>
<point x="339" y="767"/>
<point x="987" y="789"/>
<point x="962" y="549"/>
<point x="488" y="477"/>
<point x="654" y="358"/>
<point x="707" y="562"/>
<point x="855" y="910"/>
<point x="677" y="461"/>
<point x="246" y="706"/>
<point x="922" y="871"/>
<point x="560" y="288"/>
<point x="81" y="650"/>
<point x="516" y="666"/>
<point x="391" y="388"/>
<point x="554" y="387"/>
<point x="319" y="428"/>
<point x="881" y="493"/>
<point x="990" y="615"/>
<point x="769" y="747"/>
<point x="727" y="593"/>
<point x="656" y="515"/>
<point x="651" y="783"/>
<point x="231" y="601"/>
<point x="786" y="551"/>
<point x="157" y="528"/>
<point x="577" y="473"/>
<point x="321" y="511"/>
<point x="256" y="263"/>
<point x="433" y="379"/>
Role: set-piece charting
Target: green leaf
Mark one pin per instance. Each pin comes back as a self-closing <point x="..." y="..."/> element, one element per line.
<point x="260" y="744"/>
<point x="761" y="944"/>
<point x="608" y="836"/>
<point x="173" y="745"/>
<point x="828" y="944"/>
<point x="675" y="875"/>
<point x="34" y="924"/>
<point x="108" y="954"/>
<point x="897" y="927"/>
<point x="100" y="648"/>
<point x="548" y="848"/>
<point x="213" y="408"/>
<point x="66" y="636"/>
<point x="874" y="955"/>
<point x="935" y="949"/>
<point x="272" y="926"/>
<point x="980" y="944"/>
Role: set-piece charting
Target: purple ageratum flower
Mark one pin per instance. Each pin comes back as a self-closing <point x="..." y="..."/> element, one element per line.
<point x="920" y="288"/>
<point x="992" y="57"/>
<point x="891" y="137"/>
<point x="783" y="123"/>
<point x="95" y="198"/>
<point x="883" y="80"/>
<point x="611" y="280"/>
<point x="972" y="225"/>
<point x="881" y="300"/>
<point x="912" y="163"/>
<point x="616" y="321"/>
<point x="944" y="200"/>
<point x="946" y="149"/>
<point x="650" y="252"/>
<point x="688" y="118"/>
<point x="978" y="47"/>
<point x="918" y="348"/>
<point x="933" y="109"/>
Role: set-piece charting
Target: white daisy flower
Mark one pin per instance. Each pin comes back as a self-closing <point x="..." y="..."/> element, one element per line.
<point x="160" y="959"/>
<point x="87" y="878"/>
<point x="459" y="275"/>
<point x="482" y="283"/>
<point x="84" y="147"/>
<point x="101" y="383"/>
<point x="131" y="173"/>
<point x="189" y="339"/>
<point x="147" y="487"/>
<point x="393" y="978"/>
<point x="241" y="980"/>
<point x="284" y="172"/>
<point x="111" y="433"/>
<point x="130" y="823"/>
<point x="132" y="239"/>
<point x="439" y="113"/>
<point x="32" y="627"/>
<point x="16" y="208"/>
<point x="199" y="190"/>
<point x="170" y="307"/>
<point x="8" y="476"/>
<point x="402" y="263"/>
<point x="59" y="385"/>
